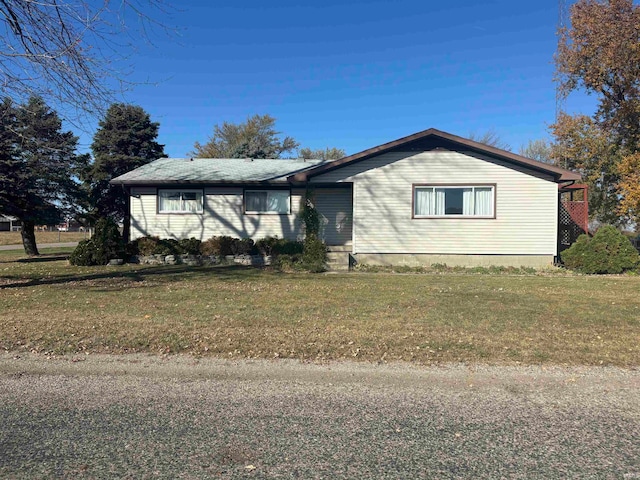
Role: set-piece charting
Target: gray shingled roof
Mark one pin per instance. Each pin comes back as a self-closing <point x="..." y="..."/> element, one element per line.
<point x="214" y="170"/>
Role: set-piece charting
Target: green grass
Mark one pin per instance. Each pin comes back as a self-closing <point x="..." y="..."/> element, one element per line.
<point x="231" y="312"/>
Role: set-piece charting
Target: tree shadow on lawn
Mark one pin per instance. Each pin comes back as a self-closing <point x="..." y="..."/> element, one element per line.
<point x="170" y="273"/>
<point x="42" y="258"/>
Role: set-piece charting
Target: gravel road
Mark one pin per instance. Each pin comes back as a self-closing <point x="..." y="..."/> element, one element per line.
<point x="179" y="417"/>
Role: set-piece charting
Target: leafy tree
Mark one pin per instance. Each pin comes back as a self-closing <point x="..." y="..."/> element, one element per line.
<point x="322" y="154"/>
<point x="66" y="52"/>
<point x="537" y="150"/>
<point x="582" y="145"/>
<point x="126" y="139"/>
<point x="599" y="54"/>
<point x="38" y="167"/>
<point x="629" y="187"/>
<point x="255" y="138"/>
<point x="490" y="138"/>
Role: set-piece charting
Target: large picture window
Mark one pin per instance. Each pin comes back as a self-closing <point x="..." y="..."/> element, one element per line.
<point x="453" y="201"/>
<point x="180" y="201"/>
<point x="267" y="201"/>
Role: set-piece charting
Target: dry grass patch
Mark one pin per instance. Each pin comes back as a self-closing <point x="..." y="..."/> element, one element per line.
<point x="48" y="306"/>
<point x="42" y="238"/>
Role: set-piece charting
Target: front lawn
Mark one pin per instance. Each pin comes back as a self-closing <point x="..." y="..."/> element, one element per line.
<point x="231" y="312"/>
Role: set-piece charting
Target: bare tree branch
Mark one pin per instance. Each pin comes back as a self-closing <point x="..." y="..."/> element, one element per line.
<point x="72" y="53"/>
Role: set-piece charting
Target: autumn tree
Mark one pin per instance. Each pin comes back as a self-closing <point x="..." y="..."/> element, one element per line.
<point x="257" y="137"/>
<point x="599" y="54"/>
<point x="38" y="167"/>
<point x="629" y="187"/>
<point x="72" y="53"/>
<point x="126" y="139"/>
<point x="328" y="153"/>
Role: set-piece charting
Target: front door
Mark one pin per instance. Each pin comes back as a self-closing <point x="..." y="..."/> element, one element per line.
<point x="335" y="206"/>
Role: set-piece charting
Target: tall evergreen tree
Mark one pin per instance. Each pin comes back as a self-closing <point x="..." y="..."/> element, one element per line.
<point x="38" y="167"/>
<point x="126" y="139"/>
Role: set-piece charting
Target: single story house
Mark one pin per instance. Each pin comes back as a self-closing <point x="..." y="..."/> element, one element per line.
<point x="9" y="224"/>
<point x="430" y="197"/>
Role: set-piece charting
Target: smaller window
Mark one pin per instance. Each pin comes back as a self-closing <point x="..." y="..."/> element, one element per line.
<point x="267" y="201"/>
<point x="180" y="201"/>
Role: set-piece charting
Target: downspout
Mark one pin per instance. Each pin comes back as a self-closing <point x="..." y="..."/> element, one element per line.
<point x="126" y="227"/>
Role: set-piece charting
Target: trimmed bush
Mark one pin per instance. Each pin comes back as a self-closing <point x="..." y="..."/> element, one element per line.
<point x="145" y="245"/>
<point x="217" y="246"/>
<point x="190" y="246"/>
<point x="243" y="246"/>
<point x="105" y="245"/>
<point x="274" y="246"/>
<point x="314" y="255"/>
<point x="166" y="246"/>
<point x="83" y="254"/>
<point x="609" y="251"/>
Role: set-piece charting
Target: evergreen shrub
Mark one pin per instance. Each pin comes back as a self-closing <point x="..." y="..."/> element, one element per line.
<point x="609" y="251"/>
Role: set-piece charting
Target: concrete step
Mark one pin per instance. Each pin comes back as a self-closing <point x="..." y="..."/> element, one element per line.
<point x="338" y="261"/>
<point x="338" y="256"/>
<point x="339" y="248"/>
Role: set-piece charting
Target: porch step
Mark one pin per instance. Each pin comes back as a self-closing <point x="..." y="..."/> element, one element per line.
<point x="338" y="261"/>
<point x="347" y="247"/>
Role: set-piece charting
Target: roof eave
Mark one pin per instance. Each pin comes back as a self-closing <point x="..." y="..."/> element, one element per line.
<point x="558" y="173"/>
<point x="153" y="183"/>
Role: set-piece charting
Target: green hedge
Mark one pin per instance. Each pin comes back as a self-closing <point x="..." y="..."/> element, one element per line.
<point x="309" y="255"/>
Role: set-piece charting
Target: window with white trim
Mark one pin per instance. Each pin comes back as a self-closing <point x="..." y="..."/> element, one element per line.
<point x="453" y="201"/>
<point x="267" y="201"/>
<point x="180" y="201"/>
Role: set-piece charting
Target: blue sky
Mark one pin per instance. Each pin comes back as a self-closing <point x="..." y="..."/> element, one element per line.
<point x="353" y="74"/>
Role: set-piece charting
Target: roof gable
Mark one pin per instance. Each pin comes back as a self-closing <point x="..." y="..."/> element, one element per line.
<point x="433" y="139"/>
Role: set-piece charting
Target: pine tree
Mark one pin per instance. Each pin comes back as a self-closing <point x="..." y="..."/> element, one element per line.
<point x="126" y="139"/>
<point x="38" y="167"/>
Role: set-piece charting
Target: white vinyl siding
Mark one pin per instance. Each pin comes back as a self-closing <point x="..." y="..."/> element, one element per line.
<point x="223" y="215"/>
<point x="525" y="206"/>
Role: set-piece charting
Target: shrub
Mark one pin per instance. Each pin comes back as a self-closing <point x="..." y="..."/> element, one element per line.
<point x="83" y="254"/>
<point x="105" y="244"/>
<point x="190" y="246"/>
<point x="609" y="251"/>
<point x="217" y="246"/>
<point x="267" y="245"/>
<point x="314" y="255"/>
<point x="275" y="246"/>
<point x="289" y="247"/>
<point x="146" y="245"/>
<point x="309" y="215"/>
<point x="242" y="246"/>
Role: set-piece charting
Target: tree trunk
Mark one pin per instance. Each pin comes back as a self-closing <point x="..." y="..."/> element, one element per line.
<point x="29" y="238"/>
